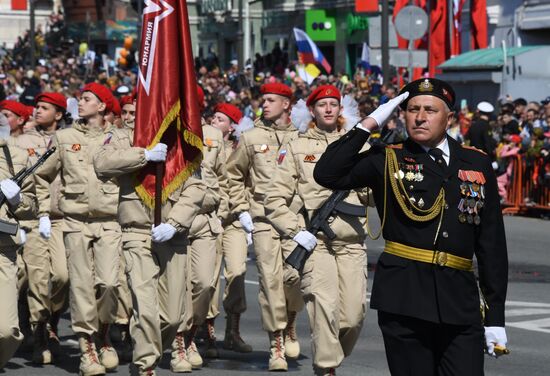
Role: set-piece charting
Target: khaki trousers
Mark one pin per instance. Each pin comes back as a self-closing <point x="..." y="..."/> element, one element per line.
<point x="93" y="258"/>
<point x="233" y="249"/>
<point x="334" y="286"/>
<point x="277" y="295"/>
<point x="157" y="279"/>
<point x="203" y="265"/>
<point x="46" y="265"/>
<point x="10" y="336"/>
<point x="124" y="307"/>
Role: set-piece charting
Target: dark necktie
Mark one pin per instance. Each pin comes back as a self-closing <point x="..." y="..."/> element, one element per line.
<point x="438" y="155"/>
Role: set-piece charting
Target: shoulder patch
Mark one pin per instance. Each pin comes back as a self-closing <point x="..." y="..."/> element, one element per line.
<point x="474" y="148"/>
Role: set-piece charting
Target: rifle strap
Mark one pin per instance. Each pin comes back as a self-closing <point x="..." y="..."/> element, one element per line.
<point x="9" y="161"/>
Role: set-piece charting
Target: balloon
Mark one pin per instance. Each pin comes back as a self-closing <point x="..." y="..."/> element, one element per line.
<point x="123" y="52"/>
<point x="83" y="48"/>
<point x="128" y="42"/>
<point x="122" y="61"/>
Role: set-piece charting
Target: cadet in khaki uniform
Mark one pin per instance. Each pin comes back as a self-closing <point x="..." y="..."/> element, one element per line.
<point x="156" y="260"/>
<point x="44" y="252"/>
<point x="232" y="244"/>
<point x="20" y="204"/>
<point x="334" y="279"/>
<point x="260" y="151"/>
<point x="91" y="233"/>
<point x="203" y="237"/>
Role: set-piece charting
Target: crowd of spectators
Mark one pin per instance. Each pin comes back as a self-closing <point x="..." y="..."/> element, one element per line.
<point x="63" y="65"/>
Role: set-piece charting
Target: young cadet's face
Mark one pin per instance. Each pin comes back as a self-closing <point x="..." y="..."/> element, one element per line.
<point x="427" y="118"/>
<point x="222" y="122"/>
<point x="274" y="106"/>
<point x="14" y="121"/>
<point x="89" y="105"/>
<point x="129" y="113"/>
<point x="46" y="114"/>
<point x="326" y="112"/>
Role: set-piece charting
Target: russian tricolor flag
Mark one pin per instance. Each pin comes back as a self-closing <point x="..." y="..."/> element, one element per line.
<point x="308" y="52"/>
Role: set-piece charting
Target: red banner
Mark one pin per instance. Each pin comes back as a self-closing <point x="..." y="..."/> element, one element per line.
<point x="479" y="24"/>
<point x="18" y="4"/>
<point x="167" y="109"/>
<point x="366" y="6"/>
<point x="439" y="35"/>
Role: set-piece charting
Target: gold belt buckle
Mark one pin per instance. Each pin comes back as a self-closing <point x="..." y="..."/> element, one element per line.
<point x="441" y="258"/>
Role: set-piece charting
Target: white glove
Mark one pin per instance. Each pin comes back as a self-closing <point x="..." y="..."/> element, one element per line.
<point x="22" y="236"/>
<point x="306" y="239"/>
<point x="11" y="190"/>
<point x="45" y="227"/>
<point x="495" y="165"/>
<point x="249" y="240"/>
<point x="156" y="154"/>
<point x="383" y="112"/>
<point x="246" y="222"/>
<point x="163" y="233"/>
<point x="495" y="335"/>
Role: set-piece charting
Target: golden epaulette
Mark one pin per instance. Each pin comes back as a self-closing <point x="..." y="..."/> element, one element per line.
<point x="395" y="146"/>
<point x="474" y="148"/>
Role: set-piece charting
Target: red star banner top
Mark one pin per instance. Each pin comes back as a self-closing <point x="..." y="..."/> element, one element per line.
<point x="167" y="109"/>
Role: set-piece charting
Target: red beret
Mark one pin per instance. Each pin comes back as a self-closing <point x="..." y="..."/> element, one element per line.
<point x="322" y="92"/>
<point x="230" y="110"/>
<point x="276" y="88"/>
<point x="516" y="139"/>
<point x="127" y="99"/>
<point x="56" y="99"/>
<point x="115" y="108"/>
<point x="17" y="108"/>
<point x="102" y="93"/>
<point x="200" y="97"/>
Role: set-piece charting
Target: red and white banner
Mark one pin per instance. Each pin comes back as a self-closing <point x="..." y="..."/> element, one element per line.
<point x="478" y="10"/>
<point x="167" y="108"/>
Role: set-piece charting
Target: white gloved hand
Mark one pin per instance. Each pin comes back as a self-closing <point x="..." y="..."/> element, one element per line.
<point x="157" y="154"/>
<point x="246" y="222"/>
<point x="22" y="236"/>
<point x="495" y="165"/>
<point x="495" y="335"/>
<point x="306" y="239"/>
<point x="11" y="190"/>
<point x="383" y="112"/>
<point x="45" y="227"/>
<point x="163" y="233"/>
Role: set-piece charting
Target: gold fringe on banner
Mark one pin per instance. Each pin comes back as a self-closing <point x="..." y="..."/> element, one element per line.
<point x="189" y="138"/>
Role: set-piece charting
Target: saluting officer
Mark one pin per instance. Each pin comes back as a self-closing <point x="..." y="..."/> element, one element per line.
<point x="261" y="150"/>
<point x="334" y="278"/>
<point x="439" y="207"/>
<point x="91" y="233"/>
<point x="44" y="252"/>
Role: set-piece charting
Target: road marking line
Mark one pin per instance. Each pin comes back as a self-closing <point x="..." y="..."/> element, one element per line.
<point x="513" y="303"/>
<point x="541" y="326"/>
<point x="526" y="312"/>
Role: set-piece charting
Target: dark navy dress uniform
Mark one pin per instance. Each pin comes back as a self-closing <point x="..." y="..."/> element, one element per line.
<point x="429" y="312"/>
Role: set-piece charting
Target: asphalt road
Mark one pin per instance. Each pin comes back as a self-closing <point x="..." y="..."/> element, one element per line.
<point x="528" y="323"/>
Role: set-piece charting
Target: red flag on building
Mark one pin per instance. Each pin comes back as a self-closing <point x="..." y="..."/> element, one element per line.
<point x="439" y="35"/>
<point x="479" y="24"/>
<point x="457" y="27"/>
<point x="167" y="107"/>
<point x="18" y="4"/>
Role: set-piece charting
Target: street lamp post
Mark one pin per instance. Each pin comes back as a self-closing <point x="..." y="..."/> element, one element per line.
<point x="32" y="38"/>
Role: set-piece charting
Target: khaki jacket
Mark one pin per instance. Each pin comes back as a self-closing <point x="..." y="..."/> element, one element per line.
<point x="84" y="195"/>
<point x="27" y="208"/>
<point x="295" y="176"/>
<point x="252" y="165"/>
<point x="35" y="142"/>
<point x="118" y="159"/>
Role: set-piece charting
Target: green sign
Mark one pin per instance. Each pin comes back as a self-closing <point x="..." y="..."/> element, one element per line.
<point x="321" y="25"/>
<point x="356" y="23"/>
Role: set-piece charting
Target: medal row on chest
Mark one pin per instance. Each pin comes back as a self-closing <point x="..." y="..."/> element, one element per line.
<point x="472" y="192"/>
